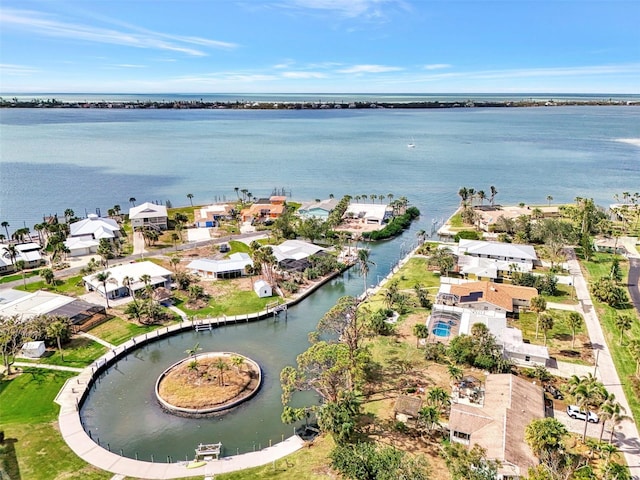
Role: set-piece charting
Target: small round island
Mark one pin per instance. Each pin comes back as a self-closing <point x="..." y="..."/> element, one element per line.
<point x="208" y="383"/>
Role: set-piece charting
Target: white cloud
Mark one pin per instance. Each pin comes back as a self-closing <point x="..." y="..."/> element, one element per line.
<point x="370" y="69"/>
<point x="371" y="9"/>
<point x="303" y="75"/>
<point x="437" y="66"/>
<point x="40" y="24"/>
<point x="127" y="65"/>
<point x="16" y="70"/>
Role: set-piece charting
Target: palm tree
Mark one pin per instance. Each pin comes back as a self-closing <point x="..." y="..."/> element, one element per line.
<point x="132" y="201"/>
<point x="574" y="322"/>
<point x="438" y="397"/>
<point x="126" y="282"/>
<point x="587" y="392"/>
<point x="363" y="265"/>
<point x="549" y="199"/>
<point x="6" y="226"/>
<point x="455" y="373"/>
<point x="623" y="323"/>
<point x="634" y="350"/>
<point x="237" y="189"/>
<point x="174" y="261"/>
<point x="546" y="324"/>
<point x="237" y="362"/>
<point x="610" y="408"/>
<point x="103" y="277"/>
<point x="429" y="416"/>
<point x="57" y="329"/>
<point x="222" y="366"/>
<point x="538" y="305"/>
<point x="421" y="331"/>
<point x="190" y="197"/>
<point x="11" y="252"/>
<point x="20" y="266"/>
<point x="492" y="197"/>
<point x="481" y="196"/>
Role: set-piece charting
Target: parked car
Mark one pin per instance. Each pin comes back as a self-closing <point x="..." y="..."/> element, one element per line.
<point x="574" y="412"/>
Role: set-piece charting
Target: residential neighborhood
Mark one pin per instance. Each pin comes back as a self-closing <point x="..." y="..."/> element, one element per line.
<point x="497" y="336"/>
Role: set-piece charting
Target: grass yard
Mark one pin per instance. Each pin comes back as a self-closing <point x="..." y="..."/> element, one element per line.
<point x="34" y="449"/>
<point x="117" y="330"/>
<point x="78" y="352"/>
<point x="72" y="286"/>
<point x="414" y="271"/>
<point x="231" y="303"/>
<point x="564" y="295"/>
<point x="558" y="338"/>
<point x="18" y="276"/>
<point x="455" y="221"/>
<point x="600" y="266"/>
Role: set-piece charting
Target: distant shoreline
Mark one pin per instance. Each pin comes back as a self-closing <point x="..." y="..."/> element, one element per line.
<point x="303" y="104"/>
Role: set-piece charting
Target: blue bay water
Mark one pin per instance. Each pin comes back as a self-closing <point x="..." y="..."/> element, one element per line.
<point x="52" y="159"/>
<point x="83" y="159"/>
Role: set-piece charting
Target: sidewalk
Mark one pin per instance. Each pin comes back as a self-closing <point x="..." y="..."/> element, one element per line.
<point x="627" y="435"/>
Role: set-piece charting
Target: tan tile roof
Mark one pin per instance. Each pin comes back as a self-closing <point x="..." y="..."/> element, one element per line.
<point x="499" y="294"/>
<point x="510" y="404"/>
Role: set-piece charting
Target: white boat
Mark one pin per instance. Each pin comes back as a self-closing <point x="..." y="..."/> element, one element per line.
<point x="411" y="144"/>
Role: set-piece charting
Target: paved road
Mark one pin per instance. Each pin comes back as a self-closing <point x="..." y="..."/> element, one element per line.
<point x="627" y="436"/>
<point x="634" y="282"/>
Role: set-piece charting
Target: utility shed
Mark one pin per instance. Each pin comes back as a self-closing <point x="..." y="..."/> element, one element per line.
<point x="33" y="349"/>
<point x="262" y="289"/>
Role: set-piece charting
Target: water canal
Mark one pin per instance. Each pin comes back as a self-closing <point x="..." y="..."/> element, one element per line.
<point x="122" y="413"/>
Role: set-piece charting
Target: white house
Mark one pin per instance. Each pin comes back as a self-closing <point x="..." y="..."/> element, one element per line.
<point x="491" y="259"/>
<point x="38" y="303"/>
<point x="85" y="235"/>
<point x="29" y="253"/>
<point x="148" y="215"/>
<point x="133" y="272"/>
<point x="262" y="289"/>
<point x="33" y="349"/>
<point x="210" y="216"/>
<point x="232" y="267"/>
<point x="294" y="254"/>
<point x="370" y="213"/>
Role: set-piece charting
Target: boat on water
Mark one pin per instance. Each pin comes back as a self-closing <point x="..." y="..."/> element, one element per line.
<point x="411" y="144"/>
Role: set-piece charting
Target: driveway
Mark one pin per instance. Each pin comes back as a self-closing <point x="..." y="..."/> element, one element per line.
<point x="577" y="426"/>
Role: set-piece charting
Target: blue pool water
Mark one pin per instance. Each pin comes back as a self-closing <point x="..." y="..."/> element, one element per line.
<point x="441" y="329"/>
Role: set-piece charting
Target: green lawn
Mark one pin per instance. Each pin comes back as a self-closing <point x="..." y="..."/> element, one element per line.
<point x="233" y="303"/>
<point x="33" y="448"/>
<point x="18" y="276"/>
<point x="558" y="338"/>
<point x="71" y="286"/>
<point x="79" y="352"/>
<point x="117" y="330"/>
<point x="456" y="221"/>
<point x="414" y="271"/>
<point x="600" y="266"/>
<point x="564" y="295"/>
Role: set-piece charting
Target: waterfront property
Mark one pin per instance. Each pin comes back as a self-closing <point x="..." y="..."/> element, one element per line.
<point x="495" y="417"/>
<point x="85" y="235"/>
<point x="488" y="216"/>
<point x="317" y="209"/>
<point x="148" y="215"/>
<point x="29" y="253"/>
<point x="264" y="209"/>
<point x="38" y="303"/>
<point x="232" y="267"/>
<point x="369" y="213"/>
<point x="294" y="254"/>
<point x="492" y="260"/>
<point x="116" y="284"/>
<point x="210" y="216"/>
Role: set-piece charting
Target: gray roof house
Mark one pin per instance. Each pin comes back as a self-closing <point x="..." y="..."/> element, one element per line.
<point x="232" y="267"/>
<point x="317" y="209"/>
<point x="148" y="215"/>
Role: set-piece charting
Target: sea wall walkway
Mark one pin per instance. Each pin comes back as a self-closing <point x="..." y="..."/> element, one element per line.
<point x="75" y="391"/>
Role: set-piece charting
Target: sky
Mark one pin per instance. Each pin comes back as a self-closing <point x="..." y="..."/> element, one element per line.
<point x="328" y="46"/>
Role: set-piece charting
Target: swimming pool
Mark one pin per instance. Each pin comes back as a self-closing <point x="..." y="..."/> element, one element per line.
<point x="441" y="329"/>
